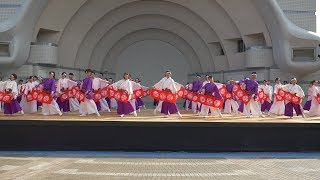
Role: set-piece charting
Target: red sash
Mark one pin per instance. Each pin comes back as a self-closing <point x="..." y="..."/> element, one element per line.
<point x="262" y="96"/>
<point x="70" y="93"/>
<point x="39" y="96"/>
<point x="292" y="98"/>
<point x="165" y="96"/>
<point x="241" y="94"/>
<point x="4" y="97"/>
<point x="318" y="98"/>
<point x="223" y="92"/>
<point x="210" y="101"/>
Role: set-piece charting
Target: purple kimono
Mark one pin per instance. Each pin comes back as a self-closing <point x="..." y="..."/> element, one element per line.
<point x="87" y="87"/>
<point x="49" y="86"/>
<point x="211" y="89"/>
<point x="251" y="87"/>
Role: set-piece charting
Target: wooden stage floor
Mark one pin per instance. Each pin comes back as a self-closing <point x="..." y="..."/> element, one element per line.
<point x="147" y="116"/>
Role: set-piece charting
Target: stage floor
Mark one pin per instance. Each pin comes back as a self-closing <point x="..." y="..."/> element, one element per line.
<point x="147" y="116"/>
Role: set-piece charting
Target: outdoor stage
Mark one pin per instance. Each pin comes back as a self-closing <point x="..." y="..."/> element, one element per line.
<point x="156" y="133"/>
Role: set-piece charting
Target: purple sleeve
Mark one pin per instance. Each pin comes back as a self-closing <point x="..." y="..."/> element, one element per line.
<point x="217" y="92"/>
<point x="199" y="86"/>
<point x="53" y="86"/>
<point x="89" y="85"/>
<point x="255" y="88"/>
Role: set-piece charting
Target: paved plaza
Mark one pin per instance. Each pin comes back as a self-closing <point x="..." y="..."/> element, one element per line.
<point x="157" y="166"/>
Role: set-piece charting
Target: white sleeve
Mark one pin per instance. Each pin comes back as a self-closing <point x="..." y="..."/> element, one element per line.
<point x="314" y="91"/>
<point x="103" y="83"/>
<point x="115" y="85"/>
<point x="159" y="84"/>
<point x="71" y="83"/>
<point x="26" y="89"/>
<point x="300" y="93"/>
<point x="58" y="86"/>
<point x="15" y="88"/>
<point x="130" y="88"/>
<point x="174" y="87"/>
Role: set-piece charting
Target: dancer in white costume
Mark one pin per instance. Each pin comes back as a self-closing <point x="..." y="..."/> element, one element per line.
<point x="97" y="84"/>
<point x="315" y="106"/>
<point x="63" y="85"/>
<point x="73" y="102"/>
<point x="29" y="107"/>
<point x="277" y="107"/>
<point x="293" y="88"/>
<point x="49" y="86"/>
<point x="187" y="102"/>
<point x="88" y="106"/>
<point x="268" y="90"/>
<point x="210" y="89"/>
<point x="167" y="84"/>
<point x="11" y="87"/>
<point x="125" y="85"/>
<point x="111" y="101"/>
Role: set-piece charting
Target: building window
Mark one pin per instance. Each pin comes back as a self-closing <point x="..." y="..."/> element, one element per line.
<point x="303" y="54"/>
<point x="5" y="49"/>
<point x="241" y="46"/>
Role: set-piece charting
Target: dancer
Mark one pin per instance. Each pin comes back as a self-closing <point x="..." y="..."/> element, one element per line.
<point x="97" y="84"/>
<point x="314" y="105"/>
<point x="62" y="87"/>
<point x="20" y="90"/>
<point x="10" y="87"/>
<point x="88" y="106"/>
<point x="29" y="107"/>
<point x="125" y="86"/>
<point x="139" y="101"/>
<point x="36" y="82"/>
<point x="73" y="102"/>
<point x="231" y="104"/>
<point x="266" y="104"/>
<point x="293" y="88"/>
<point x="112" y="103"/>
<point x="277" y="107"/>
<point x="251" y="87"/>
<point x="307" y="105"/>
<point x="187" y="103"/>
<point x="210" y="89"/>
<point x="49" y="86"/>
<point x="168" y="84"/>
<point x="196" y="86"/>
<point x="206" y="81"/>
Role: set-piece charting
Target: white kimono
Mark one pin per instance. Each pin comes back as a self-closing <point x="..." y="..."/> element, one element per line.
<point x="294" y="89"/>
<point x="13" y="86"/>
<point x="166" y="83"/>
<point x="124" y="85"/>
<point x="29" y="107"/>
<point x="315" y="106"/>
<point x="98" y="83"/>
<point x="278" y="106"/>
<point x="73" y="102"/>
<point x="113" y="102"/>
<point x="268" y="90"/>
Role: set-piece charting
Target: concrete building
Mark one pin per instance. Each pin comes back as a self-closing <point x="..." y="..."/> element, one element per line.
<point x="300" y="12"/>
<point x="226" y="38"/>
